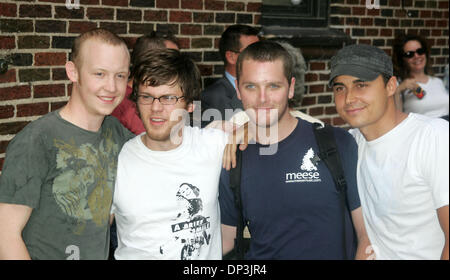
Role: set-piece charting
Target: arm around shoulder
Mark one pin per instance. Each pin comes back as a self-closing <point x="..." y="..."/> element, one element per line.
<point x="13" y="218"/>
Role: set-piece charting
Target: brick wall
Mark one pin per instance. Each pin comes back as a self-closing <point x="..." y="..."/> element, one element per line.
<point x="377" y="27"/>
<point x="36" y="36"/>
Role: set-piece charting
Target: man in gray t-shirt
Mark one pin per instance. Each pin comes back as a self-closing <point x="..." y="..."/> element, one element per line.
<point x="57" y="182"/>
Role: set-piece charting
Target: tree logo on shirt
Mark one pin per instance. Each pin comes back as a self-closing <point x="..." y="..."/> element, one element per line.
<point x="308" y="169"/>
<point x="307" y="164"/>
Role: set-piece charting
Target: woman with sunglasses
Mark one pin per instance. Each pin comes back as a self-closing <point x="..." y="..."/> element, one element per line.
<point x="418" y="91"/>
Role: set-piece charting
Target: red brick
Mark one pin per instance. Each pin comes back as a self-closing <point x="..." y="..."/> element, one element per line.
<point x="155" y="16"/>
<point x="425" y="14"/>
<point x="15" y="92"/>
<point x="317" y="66"/>
<point x="100" y="13"/>
<point x="41" y="91"/>
<point x="12" y="127"/>
<point x="167" y="4"/>
<point x="34" y="109"/>
<point x="236" y="6"/>
<point x="41" y="59"/>
<point x="81" y="26"/>
<point x="8" y="77"/>
<point x="330" y="110"/>
<point x="316" y="111"/>
<point x="57" y="105"/>
<point x="191" y="29"/>
<point x="192" y="4"/>
<point x="386" y="32"/>
<point x="359" y="11"/>
<point x="3" y="146"/>
<point x="254" y="7"/>
<point x="8" y="10"/>
<point x="309" y="100"/>
<point x="184" y="43"/>
<point x="6" y="112"/>
<point x="123" y="3"/>
<point x="315" y="88"/>
<point x="366" y="21"/>
<point x="7" y="42"/>
<point x="338" y="121"/>
<point x="214" y="5"/>
<point x="443" y="5"/>
<point x="310" y="77"/>
<point x="430" y="23"/>
<point x="373" y="12"/>
<point x="178" y="16"/>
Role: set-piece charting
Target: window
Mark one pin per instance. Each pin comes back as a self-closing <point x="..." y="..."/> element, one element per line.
<point x="295" y="13"/>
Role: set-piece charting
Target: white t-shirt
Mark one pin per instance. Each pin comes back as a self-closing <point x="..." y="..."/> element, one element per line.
<point x="434" y="104"/>
<point x="166" y="202"/>
<point x="402" y="180"/>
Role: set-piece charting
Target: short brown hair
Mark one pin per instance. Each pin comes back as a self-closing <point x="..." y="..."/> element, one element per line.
<point x="158" y="67"/>
<point x="97" y="33"/>
<point x="265" y="51"/>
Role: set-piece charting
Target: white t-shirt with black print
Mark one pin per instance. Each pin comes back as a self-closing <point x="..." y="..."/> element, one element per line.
<point x="166" y="202"/>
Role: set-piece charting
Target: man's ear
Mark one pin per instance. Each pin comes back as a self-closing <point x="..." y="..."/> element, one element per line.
<point x="231" y="57"/>
<point x="71" y="71"/>
<point x="292" y="88"/>
<point x="391" y="86"/>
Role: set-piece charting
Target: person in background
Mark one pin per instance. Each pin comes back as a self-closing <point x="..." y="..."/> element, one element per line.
<point x="57" y="183"/>
<point x="221" y="95"/>
<point x="418" y="91"/>
<point x="126" y="111"/>
<point x="403" y="158"/>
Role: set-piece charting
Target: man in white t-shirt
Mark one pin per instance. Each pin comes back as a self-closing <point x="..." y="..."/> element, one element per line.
<point x="403" y="159"/>
<point x="166" y="196"/>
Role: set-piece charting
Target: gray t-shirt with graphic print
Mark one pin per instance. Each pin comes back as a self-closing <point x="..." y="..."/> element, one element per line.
<point x="66" y="174"/>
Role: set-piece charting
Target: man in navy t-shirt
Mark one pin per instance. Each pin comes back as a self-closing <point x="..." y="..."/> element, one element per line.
<point x="290" y="202"/>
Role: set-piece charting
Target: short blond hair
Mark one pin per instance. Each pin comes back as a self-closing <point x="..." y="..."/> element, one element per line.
<point x="98" y="33"/>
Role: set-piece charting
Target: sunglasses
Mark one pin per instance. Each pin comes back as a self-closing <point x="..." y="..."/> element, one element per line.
<point x="410" y="54"/>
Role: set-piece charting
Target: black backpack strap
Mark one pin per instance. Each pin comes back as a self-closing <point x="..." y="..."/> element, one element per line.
<point x="329" y="154"/>
<point x="235" y="184"/>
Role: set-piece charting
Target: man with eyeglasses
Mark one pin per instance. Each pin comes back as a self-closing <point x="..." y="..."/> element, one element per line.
<point x="166" y="196"/>
<point x="403" y="158"/>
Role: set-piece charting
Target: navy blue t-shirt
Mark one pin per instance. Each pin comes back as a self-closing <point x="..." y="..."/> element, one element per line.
<point x="291" y="203"/>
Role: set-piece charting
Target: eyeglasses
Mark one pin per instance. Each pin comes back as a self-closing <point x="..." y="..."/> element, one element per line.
<point x="164" y="100"/>
<point x="410" y="54"/>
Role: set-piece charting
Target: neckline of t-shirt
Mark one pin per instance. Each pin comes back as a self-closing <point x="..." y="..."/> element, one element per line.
<point x="290" y="139"/>
<point x="177" y="152"/>
<point x="393" y="132"/>
<point x="66" y="122"/>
